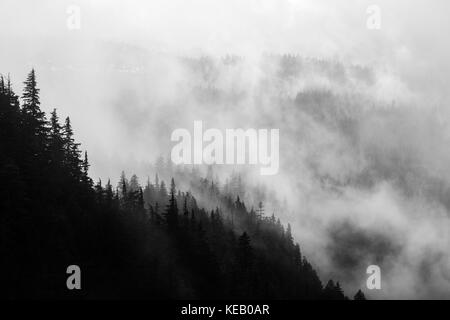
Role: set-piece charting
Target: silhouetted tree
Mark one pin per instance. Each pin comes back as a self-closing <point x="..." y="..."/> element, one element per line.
<point x="359" y="295"/>
<point x="172" y="209"/>
<point x="245" y="252"/>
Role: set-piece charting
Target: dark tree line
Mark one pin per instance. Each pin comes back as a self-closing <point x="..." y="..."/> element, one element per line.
<point x="130" y="241"/>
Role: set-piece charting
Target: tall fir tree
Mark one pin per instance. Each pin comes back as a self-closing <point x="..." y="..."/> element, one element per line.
<point x="30" y="98"/>
<point x="172" y="208"/>
<point x="85" y="171"/>
<point x="56" y="142"/>
<point x="359" y="295"/>
<point x="245" y="252"/>
<point x="72" y="152"/>
<point x="33" y="120"/>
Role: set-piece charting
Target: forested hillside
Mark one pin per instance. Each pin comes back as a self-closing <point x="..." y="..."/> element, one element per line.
<point x="130" y="241"/>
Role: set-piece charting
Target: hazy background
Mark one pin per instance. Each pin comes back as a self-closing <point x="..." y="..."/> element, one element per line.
<point x="364" y="117"/>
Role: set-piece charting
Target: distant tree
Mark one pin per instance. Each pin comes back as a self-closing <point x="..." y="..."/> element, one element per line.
<point x="289" y="238"/>
<point x="12" y="97"/>
<point x="122" y="185"/>
<point x="359" y="295"/>
<point x="109" y="194"/>
<point x="333" y="291"/>
<point x="99" y="192"/>
<point x="193" y="221"/>
<point x="339" y="292"/>
<point x="71" y="149"/>
<point x="329" y="290"/>
<point x="134" y="183"/>
<point x="2" y="86"/>
<point x="140" y="202"/>
<point x="10" y="119"/>
<point x="245" y="252"/>
<point x="297" y="256"/>
<point x="31" y="102"/>
<point x="56" y="139"/>
<point x="185" y="212"/>
<point x="156" y="183"/>
<point x="33" y="123"/>
<point x="172" y="208"/>
<point x="162" y="194"/>
<point x="260" y="210"/>
<point x="160" y="166"/>
<point x="85" y="170"/>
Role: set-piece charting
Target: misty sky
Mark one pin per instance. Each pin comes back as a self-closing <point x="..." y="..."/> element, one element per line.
<point x="119" y="116"/>
<point x="412" y="32"/>
<point x="410" y="46"/>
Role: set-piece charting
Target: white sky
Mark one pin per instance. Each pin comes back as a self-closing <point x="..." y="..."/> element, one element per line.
<point x="412" y="39"/>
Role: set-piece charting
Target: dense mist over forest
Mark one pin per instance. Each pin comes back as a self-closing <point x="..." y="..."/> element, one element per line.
<point x="363" y="115"/>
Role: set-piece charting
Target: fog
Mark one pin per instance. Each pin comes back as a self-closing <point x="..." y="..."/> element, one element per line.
<point x="363" y="114"/>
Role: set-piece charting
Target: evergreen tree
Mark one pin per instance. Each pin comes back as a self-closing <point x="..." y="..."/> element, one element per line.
<point x="99" y="191"/>
<point x="333" y="291"/>
<point x="359" y="295"/>
<point x="123" y="190"/>
<point x="109" y="194"/>
<point x="260" y="210"/>
<point x="56" y="142"/>
<point x="297" y="256"/>
<point x="156" y="183"/>
<point x="31" y="102"/>
<point x="162" y="194"/>
<point x="185" y="208"/>
<point x="140" y="205"/>
<point x="33" y="123"/>
<point x="10" y="119"/>
<point x="289" y="238"/>
<point x="245" y="252"/>
<point x="134" y="183"/>
<point x="85" y="170"/>
<point x="172" y="209"/>
<point x="72" y="153"/>
<point x="9" y="93"/>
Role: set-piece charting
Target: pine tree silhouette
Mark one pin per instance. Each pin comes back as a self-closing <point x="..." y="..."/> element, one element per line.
<point x="172" y="209"/>
<point x="359" y="295"/>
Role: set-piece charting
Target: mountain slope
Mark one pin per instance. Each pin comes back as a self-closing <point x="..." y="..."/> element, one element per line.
<point x="131" y="242"/>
